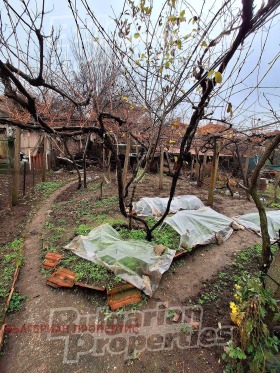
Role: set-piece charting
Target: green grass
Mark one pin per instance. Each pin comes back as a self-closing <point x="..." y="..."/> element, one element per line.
<point x="208" y="297"/>
<point x="93" y="208"/>
<point x="106" y="202"/>
<point x="53" y="235"/>
<point x="56" y="235"/>
<point x="165" y="235"/>
<point x="134" y="234"/>
<point x="11" y="256"/>
<point x="94" y="187"/>
<point x="83" y="229"/>
<point x="275" y="205"/>
<point x="90" y="212"/>
<point x="239" y="268"/>
<point x="62" y="222"/>
<point x="102" y="218"/>
<point x="88" y="272"/>
<point x="16" y="302"/>
<point x="48" y="187"/>
<point x="186" y="328"/>
<point x="170" y="314"/>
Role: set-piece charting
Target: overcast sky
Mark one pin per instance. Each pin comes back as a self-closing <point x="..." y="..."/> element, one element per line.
<point x="61" y="17"/>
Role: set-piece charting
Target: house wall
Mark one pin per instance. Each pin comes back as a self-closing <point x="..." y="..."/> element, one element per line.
<point x="31" y="144"/>
<point x="3" y="149"/>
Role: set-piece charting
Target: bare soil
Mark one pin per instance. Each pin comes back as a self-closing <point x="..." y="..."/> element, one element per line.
<point x="33" y="349"/>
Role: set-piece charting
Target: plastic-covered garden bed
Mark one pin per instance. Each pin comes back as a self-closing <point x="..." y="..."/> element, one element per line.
<point x="134" y="261"/>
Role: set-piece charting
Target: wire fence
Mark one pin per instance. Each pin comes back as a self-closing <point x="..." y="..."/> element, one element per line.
<point x="30" y="174"/>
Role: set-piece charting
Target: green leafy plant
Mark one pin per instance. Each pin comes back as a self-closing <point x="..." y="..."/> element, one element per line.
<point x="106" y="202"/>
<point x="170" y="314"/>
<point x="185" y="328"/>
<point x="16" y="302"/>
<point x="275" y="205"/>
<point x="253" y="346"/>
<point x="48" y="187"/>
<point x="208" y="297"/>
<point x="10" y="257"/>
<point x="166" y="235"/>
<point x="83" y="229"/>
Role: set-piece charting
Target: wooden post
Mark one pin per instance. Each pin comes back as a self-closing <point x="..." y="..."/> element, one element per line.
<point x="192" y="168"/>
<point x="24" y="179"/>
<point x="246" y="168"/>
<point x="214" y="173"/>
<point x="16" y="168"/>
<point x="53" y="156"/>
<point x="168" y="162"/>
<point x="109" y="165"/>
<point x="160" y="185"/>
<point x="103" y="168"/>
<point x="103" y="157"/>
<point x="126" y="160"/>
<point x="29" y="159"/>
<point x="11" y="152"/>
<point x="203" y="168"/>
<point x="197" y="169"/>
<point x="85" y="161"/>
<point x="44" y="165"/>
<point x="33" y="172"/>
<point x="74" y="163"/>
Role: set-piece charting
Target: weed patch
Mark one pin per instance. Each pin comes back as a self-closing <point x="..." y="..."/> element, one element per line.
<point x="254" y="348"/>
<point x="88" y="272"/>
<point x="244" y="265"/>
<point x="48" y="187"/>
<point x="16" y="302"/>
<point x="164" y="235"/>
<point x="83" y="229"/>
<point x="11" y="256"/>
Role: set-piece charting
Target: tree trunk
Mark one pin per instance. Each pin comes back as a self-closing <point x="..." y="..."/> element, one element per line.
<point x="168" y="163"/>
<point x="84" y="161"/>
<point x="75" y="165"/>
<point x="160" y="184"/>
<point x="44" y="165"/>
<point x="126" y="161"/>
<point x="202" y="172"/>
<point x="16" y="167"/>
<point x="214" y="173"/>
<point x="266" y="251"/>
<point x="244" y="170"/>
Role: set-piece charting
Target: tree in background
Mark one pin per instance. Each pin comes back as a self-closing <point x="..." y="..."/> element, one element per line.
<point x="165" y="60"/>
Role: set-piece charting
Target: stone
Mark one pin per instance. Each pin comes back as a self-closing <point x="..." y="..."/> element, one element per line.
<point x="159" y="249"/>
<point x="219" y="238"/>
<point x="237" y="226"/>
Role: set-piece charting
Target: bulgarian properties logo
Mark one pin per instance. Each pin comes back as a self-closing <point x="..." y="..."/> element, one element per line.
<point x="126" y="332"/>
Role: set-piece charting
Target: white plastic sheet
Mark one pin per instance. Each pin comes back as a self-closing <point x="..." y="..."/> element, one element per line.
<point x="252" y="221"/>
<point x="130" y="260"/>
<point x="199" y="227"/>
<point x="156" y="206"/>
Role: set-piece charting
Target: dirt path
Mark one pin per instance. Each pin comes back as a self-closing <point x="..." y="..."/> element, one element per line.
<point x="31" y="283"/>
<point x="34" y="350"/>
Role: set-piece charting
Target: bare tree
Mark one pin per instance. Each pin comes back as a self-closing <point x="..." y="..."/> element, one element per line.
<point x="168" y="58"/>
